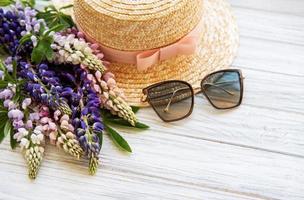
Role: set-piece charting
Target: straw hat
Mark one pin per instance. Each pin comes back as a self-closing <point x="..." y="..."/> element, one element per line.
<point x="135" y="33"/>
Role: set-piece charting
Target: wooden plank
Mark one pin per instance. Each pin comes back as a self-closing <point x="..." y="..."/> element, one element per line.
<point x="292" y="7"/>
<point x="254" y="152"/>
<point x="270" y="118"/>
<point x="272" y="57"/>
<point x="271" y="26"/>
<point x="164" y="166"/>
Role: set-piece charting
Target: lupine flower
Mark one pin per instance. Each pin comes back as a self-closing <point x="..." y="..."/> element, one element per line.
<point x="87" y="121"/>
<point x="10" y="29"/>
<point x="6" y="94"/>
<point x="34" y="40"/>
<point x="18" y="123"/>
<point x="26" y="102"/>
<point x="111" y="96"/>
<point x="69" y="49"/>
<point x="33" y="156"/>
<point x="31" y="139"/>
<point x="67" y="139"/>
<point x="44" y="86"/>
<point x="22" y="132"/>
<point x="63" y="107"/>
<point x="15" y="114"/>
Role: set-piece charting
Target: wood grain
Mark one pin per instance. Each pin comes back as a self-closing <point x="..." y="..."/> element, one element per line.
<point x="290" y="7"/>
<point x="253" y="152"/>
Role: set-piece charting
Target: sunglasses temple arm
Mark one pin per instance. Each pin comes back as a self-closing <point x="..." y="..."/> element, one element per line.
<point x="214" y="85"/>
<point x="171" y="98"/>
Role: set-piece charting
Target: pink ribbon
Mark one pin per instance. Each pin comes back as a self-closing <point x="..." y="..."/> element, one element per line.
<point x="145" y="59"/>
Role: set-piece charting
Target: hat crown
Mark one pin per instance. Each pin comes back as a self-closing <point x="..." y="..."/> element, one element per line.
<point x="137" y="24"/>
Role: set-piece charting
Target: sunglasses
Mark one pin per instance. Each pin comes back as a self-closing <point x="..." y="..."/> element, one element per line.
<point x="173" y="100"/>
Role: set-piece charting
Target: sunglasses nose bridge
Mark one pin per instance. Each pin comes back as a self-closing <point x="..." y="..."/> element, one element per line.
<point x="196" y="89"/>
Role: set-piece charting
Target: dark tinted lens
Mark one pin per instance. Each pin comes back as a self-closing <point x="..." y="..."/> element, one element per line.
<point x="171" y="100"/>
<point x="223" y="89"/>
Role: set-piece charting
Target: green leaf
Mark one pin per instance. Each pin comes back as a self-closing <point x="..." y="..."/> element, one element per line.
<point x="66" y="7"/>
<point x="4" y="3"/>
<point x="2" y="67"/>
<point x="6" y="129"/>
<point x="25" y="38"/>
<point x="123" y="122"/>
<point x="30" y="3"/>
<point x="43" y="50"/>
<point x="14" y="69"/>
<point x="118" y="139"/>
<point x="7" y="76"/>
<point x="13" y="141"/>
<point x="55" y="28"/>
<point x="3" y="84"/>
<point x="54" y="17"/>
<point x="135" y="109"/>
<point x="141" y="125"/>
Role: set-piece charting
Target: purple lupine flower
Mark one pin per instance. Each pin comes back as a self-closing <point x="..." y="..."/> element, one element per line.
<point x="15" y="114"/>
<point x="34" y="116"/>
<point x="6" y="94"/>
<point x="10" y="29"/>
<point x="26" y="102"/>
<point x="87" y="120"/>
<point x="44" y="86"/>
<point x="18" y="123"/>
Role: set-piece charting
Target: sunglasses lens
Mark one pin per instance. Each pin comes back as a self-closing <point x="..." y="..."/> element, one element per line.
<point x="171" y="100"/>
<point x="223" y="89"/>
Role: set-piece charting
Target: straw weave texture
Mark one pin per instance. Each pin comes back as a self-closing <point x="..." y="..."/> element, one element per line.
<point x="137" y="25"/>
<point x="148" y="24"/>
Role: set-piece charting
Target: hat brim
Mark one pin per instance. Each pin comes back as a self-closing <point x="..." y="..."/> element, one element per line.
<point x="217" y="49"/>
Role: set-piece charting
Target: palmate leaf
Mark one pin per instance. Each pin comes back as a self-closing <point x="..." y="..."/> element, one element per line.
<point x="118" y="139"/>
<point x="30" y="3"/>
<point x="4" y="3"/>
<point x="53" y="17"/>
<point x="43" y="50"/>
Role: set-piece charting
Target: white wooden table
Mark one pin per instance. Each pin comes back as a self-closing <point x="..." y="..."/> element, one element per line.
<point x="254" y="152"/>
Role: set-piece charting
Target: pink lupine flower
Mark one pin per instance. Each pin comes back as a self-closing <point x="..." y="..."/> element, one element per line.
<point x="44" y="111"/>
<point x="29" y="124"/>
<point x="44" y="120"/>
<point x="57" y="113"/>
<point x="52" y="126"/>
<point x="107" y="76"/>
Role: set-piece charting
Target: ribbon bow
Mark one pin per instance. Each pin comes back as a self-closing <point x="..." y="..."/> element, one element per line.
<point x="185" y="46"/>
<point x="145" y="59"/>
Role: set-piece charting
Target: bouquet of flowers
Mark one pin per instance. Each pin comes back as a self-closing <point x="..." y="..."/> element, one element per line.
<point x="55" y="87"/>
